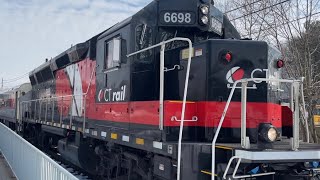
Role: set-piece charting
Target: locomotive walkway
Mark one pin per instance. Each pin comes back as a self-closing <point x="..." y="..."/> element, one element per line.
<point x="5" y="170"/>
<point x="27" y="162"/>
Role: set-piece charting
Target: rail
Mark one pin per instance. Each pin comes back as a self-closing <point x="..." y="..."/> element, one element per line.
<point x="245" y="142"/>
<point x="34" y="109"/>
<point x="161" y="95"/>
<point x="26" y="161"/>
<point x="37" y="115"/>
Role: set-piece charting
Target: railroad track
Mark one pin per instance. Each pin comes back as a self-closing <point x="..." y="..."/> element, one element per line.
<point x="76" y="171"/>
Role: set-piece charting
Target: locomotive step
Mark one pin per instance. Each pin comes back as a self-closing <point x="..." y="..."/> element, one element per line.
<point x="282" y="145"/>
<point x="280" y="152"/>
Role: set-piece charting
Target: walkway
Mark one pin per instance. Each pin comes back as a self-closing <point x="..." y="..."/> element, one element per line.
<point x="5" y="170"/>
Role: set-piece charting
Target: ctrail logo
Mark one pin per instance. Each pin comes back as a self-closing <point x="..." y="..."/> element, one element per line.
<point x="111" y="95"/>
<point x="235" y="74"/>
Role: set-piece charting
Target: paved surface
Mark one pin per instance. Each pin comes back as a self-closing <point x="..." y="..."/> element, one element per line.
<point x="5" y="170"/>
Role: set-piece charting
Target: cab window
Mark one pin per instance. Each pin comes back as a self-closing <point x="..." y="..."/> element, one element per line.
<point x="112" y="53"/>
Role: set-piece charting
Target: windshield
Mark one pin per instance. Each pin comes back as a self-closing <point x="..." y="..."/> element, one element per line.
<point x="216" y="20"/>
<point x="273" y="72"/>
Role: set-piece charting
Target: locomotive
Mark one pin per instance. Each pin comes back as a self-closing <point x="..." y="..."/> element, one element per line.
<point x="103" y="109"/>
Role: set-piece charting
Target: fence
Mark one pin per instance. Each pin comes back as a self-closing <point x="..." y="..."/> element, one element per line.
<point x="26" y="161"/>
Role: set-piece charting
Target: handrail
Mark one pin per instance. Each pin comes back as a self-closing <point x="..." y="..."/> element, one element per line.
<point x="162" y="44"/>
<point x="295" y="89"/>
<point x="53" y="98"/>
<point x="84" y="96"/>
<point x="28" y="162"/>
<point x="236" y="169"/>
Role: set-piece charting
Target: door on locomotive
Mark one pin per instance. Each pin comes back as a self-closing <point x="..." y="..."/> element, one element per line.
<point x="113" y="76"/>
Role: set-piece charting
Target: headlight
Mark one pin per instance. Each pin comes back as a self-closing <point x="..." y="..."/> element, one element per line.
<point x="268" y="133"/>
<point x="272" y="134"/>
<point x="204" y="20"/>
<point x="204" y="10"/>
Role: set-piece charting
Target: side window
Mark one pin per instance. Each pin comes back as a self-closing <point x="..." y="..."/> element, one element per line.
<point x="143" y="40"/>
<point x="112" y="53"/>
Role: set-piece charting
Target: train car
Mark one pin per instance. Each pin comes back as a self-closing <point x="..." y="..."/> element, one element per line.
<point x="102" y="108"/>
<point x="9" y="106"/>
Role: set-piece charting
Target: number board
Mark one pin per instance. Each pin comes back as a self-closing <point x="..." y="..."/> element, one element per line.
<point x="177" y="18"/>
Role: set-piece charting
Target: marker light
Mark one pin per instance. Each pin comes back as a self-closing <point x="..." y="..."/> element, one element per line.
<point x="204" y="19"/>
<point x="228" y="56"/>
<point x="204" y="9"/>
<point x="280" y="63"/>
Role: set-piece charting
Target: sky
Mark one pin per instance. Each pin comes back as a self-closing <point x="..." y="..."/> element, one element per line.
<point x="33" y="30"/>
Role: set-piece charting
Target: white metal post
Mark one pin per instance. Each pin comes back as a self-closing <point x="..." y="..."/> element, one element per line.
<point x="40" y="105"/>
<point x="52" y="115"/>
<point x="244" y="114"/>
<point x="61" y="109"/>
<point x="161" y="95"/>
<point x="296" y="125"/>
<point x="35" y="110"/>
<point x="46" y="113"/>
<point x="84" y="113"/>
<point x="292" y="97"/>
<point x="70" y="110"/>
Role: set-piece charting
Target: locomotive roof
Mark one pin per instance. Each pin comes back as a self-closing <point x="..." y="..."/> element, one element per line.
<point x="52" y="62"/>
<point x="23" y="87"/>
<point x="87" y="48"/>
<point x="116" y="27"/>
<point x="85" y="45"/>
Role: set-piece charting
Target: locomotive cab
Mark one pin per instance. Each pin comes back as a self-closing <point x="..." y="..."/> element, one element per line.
<point x="216" y="64"/>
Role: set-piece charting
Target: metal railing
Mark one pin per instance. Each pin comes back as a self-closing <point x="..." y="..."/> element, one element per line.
<point x="161" y="95"/>
<point x="26" y="161"/>
<point x="26" y="106"/>
<point x="236" y="169"/>
<point x="245" y="142"/>
<point x="58" y="104"/>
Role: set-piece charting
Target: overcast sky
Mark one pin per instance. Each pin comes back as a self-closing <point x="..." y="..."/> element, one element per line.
<point x="32" y="30"/>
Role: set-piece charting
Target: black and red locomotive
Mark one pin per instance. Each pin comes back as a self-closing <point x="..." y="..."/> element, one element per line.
<point x="100" y="108"/>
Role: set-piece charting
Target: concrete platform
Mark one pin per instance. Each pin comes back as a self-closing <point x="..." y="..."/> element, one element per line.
<point x="5" y="170"/>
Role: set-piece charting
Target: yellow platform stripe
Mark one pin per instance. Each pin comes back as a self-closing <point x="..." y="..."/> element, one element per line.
<point x="114" y="136"/>
<point x="182" y="101"/>
<point x="224" y="147"/>
<point x="139" y="141"/>
<point x="208" y="173"/>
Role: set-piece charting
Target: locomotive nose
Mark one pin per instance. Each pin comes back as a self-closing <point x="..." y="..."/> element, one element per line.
<point x="229" y="61"/>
